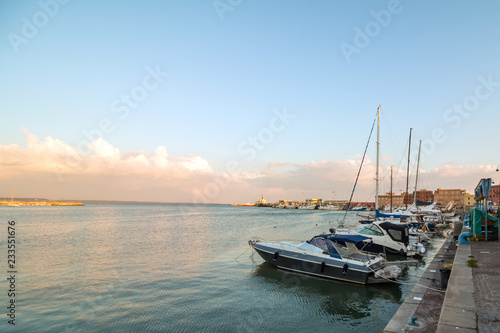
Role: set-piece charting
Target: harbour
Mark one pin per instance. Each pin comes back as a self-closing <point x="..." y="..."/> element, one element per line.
<point x="172" y="267"/>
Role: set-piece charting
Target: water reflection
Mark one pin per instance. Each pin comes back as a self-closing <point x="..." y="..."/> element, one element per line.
<point x="338" y="300"/>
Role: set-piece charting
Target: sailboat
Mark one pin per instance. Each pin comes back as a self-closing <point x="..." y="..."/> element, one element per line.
<point x="384" y="236"/>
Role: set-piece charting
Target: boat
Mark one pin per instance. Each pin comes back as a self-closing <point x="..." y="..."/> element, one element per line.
<point x="330" y="207"/>
<point x="261" y="202"/>
<point x="386" y="237"/>
<point x="310" y="207"/>
<point x="329" y="256"/>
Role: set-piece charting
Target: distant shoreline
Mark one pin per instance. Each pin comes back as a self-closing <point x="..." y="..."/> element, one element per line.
<point x="42" y="200"/>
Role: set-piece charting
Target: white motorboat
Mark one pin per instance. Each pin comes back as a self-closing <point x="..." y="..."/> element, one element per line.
<point x="385" y="237"/>
<point x="329" y="256"/>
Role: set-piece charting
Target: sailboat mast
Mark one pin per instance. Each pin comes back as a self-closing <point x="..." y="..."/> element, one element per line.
<point x="416" y="177"/>
<point x="408" y="172"/>
<point x="378" y="148"/>
<point x="391" y="188"/>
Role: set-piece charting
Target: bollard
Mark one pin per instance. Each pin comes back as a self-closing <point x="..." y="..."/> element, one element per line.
<point x="445" y="276"/>
<point x="462" y="239"/>
<point x="413" y="321"/>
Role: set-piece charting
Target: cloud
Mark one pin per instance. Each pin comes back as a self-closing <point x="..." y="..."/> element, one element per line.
<point x="52" y="168"/>
<point x="53" y="156"/>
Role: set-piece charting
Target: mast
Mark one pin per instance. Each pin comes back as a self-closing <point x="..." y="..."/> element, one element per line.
<point x="378" y="148"/>
<point x="408" y="172"/>
<point x="391" y="188"/>
<point x="416" y="177"/>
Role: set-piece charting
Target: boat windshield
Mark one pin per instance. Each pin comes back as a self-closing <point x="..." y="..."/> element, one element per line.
<point x="371" y="229"/>
<point x="320" y="243"/>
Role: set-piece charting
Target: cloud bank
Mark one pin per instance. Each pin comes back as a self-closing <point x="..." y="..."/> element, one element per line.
<point x="53" y="169"/>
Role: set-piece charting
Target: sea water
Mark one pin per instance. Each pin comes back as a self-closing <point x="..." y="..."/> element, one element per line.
<point x="136" y="267"/>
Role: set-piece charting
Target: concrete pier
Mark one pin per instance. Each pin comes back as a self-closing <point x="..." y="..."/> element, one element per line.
<point x="471" y="302"/>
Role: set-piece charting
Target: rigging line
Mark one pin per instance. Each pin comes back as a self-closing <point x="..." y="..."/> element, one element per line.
<point x="391" y="131"/>
<point x="249" y="247"/>
<point x="360" y="166"/>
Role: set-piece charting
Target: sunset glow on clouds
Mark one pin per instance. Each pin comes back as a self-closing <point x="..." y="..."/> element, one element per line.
<point x="53" y="159"/>
<point x="157" y="176"/>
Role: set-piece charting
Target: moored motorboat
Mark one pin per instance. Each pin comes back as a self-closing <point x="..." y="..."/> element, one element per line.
<point x="385" y="237"/>
<point x="325" y="256"/>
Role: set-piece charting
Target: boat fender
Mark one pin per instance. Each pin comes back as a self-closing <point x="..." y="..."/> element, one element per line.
<point x="421" y="247"/>
<point x="344" y="271"/>
<point x="323" y="267"/>
<point x="276" y="255"/>
<point x="370" y="245"/>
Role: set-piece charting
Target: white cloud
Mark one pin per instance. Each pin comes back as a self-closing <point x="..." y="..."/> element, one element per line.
<point x="53" y="166"/>
<point x="53" y="156"/>
<point x="102" y="148"/>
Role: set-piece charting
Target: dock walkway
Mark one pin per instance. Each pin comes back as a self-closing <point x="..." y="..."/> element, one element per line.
<point x="472" y="299"/>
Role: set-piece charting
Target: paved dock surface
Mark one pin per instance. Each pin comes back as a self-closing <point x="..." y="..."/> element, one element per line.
<point x="472" y="299"/>
<point x="487" y="285"/>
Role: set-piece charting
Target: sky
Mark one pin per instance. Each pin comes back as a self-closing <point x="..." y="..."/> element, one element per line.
<point x="224" y="101"/>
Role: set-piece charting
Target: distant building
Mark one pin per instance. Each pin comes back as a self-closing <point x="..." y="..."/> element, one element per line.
<point x="468" y="199"/>
<point x="424" y="195"/>
<point x="313" y="201"/>
<point x="385" y="200"/>
<point x="444" y="196"/>
<point x="495" y="194"/>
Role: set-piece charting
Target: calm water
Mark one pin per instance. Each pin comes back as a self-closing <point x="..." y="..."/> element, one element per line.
<point x="172" y="268"/>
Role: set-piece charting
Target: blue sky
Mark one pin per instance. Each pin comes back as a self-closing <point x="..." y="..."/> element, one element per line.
<point x="232" y="66"/>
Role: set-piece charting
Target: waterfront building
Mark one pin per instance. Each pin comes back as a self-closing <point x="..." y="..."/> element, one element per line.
<point x="313" y="201"/>
<point x="495" y="194"/>
<point x="424" y="195"/>
<point x="445" y="196"/>
<point x="468" y="199"/>
<point x="385" y="200"/>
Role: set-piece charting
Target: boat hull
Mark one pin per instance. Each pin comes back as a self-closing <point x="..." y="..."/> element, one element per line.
<point x="313" y="265"/>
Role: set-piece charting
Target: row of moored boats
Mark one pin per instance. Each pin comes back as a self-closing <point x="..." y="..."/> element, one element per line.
<point x="355" y="255"/>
